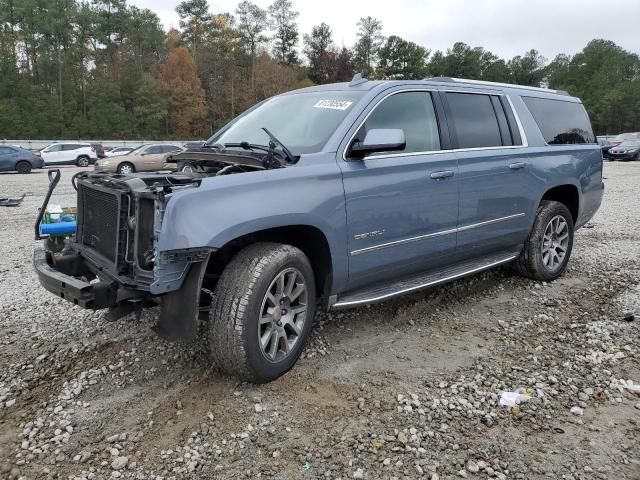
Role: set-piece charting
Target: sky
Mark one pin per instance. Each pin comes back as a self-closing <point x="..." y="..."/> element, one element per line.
<point x="505" y="27"/>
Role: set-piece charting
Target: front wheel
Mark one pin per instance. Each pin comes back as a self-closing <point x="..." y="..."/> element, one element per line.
<point x="23" y="167"/>
<point x="125" y="168"/>
<point x="548" y="248"/>
<point x="82" y="162"/>
<point x="262" y="312"/>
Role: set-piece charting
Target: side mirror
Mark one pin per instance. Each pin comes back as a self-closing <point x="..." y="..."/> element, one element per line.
<point x="379" y="140"/>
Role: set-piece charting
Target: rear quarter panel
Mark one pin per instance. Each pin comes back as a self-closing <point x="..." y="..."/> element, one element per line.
<point x="579" y="165"/>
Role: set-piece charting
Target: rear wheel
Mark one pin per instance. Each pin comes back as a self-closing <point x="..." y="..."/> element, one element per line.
<point x="125" y="168"/>
<point x="548" y="248"/>
<point x="262" y="312"/>
<point x="82" y="161"/>
<point x="23" y="167"/>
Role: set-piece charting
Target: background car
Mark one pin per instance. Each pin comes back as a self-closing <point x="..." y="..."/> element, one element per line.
<point x="618" y="139"/>
<point x="18" y="159"/>
<point x="117" y="151"/>
<point x="144" y="158"/>
<point x="80" y="154"/>
<point x="627" y="150"/>
<point x="605" y="146"/>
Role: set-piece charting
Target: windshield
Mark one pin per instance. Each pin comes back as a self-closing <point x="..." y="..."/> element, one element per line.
<point x="630" y="144"/>
<point x="303" y="122"/>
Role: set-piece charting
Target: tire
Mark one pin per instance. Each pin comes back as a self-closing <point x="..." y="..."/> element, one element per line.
<point x="185" y="167"/>
<point x="533" y="262"/>
<point x="125" y="168"/>
<point x="241" y="300"/>
<point x="23" y="167"/>
<point x="82" y="161"/>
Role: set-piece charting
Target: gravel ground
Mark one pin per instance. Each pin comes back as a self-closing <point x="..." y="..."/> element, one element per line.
<point x="405" y="389"/>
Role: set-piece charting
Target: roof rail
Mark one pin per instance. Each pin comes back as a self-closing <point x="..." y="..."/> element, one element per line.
<point x="496" y="84"/>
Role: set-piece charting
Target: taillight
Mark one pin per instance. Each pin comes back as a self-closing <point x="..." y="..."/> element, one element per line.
<point x="36" y="154"/>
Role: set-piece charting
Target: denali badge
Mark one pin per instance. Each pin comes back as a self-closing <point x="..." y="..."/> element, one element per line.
<point x="375" y="233"/>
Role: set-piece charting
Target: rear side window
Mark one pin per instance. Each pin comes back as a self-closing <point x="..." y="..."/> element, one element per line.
<point x="561" y="122"/>
<point x="475" y="120"/>
<point x="170" y="148"/>
<point x="412" y="112"/>
<point x="6" y="151"/>
<point x="154" y="150"/>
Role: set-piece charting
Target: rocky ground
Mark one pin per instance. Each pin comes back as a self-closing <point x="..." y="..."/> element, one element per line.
<point x="405" y="389"/>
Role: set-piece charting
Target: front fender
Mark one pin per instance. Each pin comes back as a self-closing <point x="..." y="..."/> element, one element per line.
<point x="224" y="208"/>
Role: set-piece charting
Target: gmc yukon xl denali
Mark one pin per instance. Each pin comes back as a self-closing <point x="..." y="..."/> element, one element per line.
<point x="332" y="196"/>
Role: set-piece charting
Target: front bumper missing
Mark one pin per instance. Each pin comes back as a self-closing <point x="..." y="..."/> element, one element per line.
<point x="66" y="277"/>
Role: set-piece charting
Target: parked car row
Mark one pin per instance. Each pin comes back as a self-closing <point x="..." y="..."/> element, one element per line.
<point x="625" y="146"/>
<point x="145" y="158"/>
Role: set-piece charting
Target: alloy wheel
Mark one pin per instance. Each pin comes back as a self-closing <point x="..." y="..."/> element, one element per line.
<point x="555" y="243"/>
<point x="282" y="315"/>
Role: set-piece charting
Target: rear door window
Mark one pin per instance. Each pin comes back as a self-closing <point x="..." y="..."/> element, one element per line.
<point x="561" y="122"/>
<point x="155" y="149"/>
<point x="413" y="113"/>
<point x="475" y="120"/>
<point x="6" y="151"/>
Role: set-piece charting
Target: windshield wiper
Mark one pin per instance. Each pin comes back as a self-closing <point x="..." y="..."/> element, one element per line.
<point x="248" y="146"/>
<point x="273" y="141"/>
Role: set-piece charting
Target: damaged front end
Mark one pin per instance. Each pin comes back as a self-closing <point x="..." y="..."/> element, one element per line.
<point x="113" y="261"/>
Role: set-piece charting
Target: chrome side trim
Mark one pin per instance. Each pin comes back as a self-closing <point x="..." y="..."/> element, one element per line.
<point x="423" y="285"/>
<point x="403" y="241"/>
<point x="435" y="234"/>
<point x="490" y="222"/>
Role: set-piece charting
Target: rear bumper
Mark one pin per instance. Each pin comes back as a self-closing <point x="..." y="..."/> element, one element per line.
<point x="65" y="278"/>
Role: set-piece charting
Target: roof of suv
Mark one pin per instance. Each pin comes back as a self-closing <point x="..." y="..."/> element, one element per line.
<point x="362" y="84"/>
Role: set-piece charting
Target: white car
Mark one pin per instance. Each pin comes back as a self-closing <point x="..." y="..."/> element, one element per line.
<point x="117" y="151"/>
<point x="80" y="154"/>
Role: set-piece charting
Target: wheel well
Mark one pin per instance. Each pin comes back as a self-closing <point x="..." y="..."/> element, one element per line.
<point x="307" y="238"/>
<point x="568" y="195"/>
<point x="27" y="162"/>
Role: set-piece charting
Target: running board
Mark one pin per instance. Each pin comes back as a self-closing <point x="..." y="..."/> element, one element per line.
<point x="378" y="292"/>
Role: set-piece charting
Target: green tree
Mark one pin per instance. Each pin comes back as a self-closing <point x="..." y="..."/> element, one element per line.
<point x="369" y="42"/>
<point x="150" y="109"/>
<point x="252" y="24"/>
<point x="317" y="48"/>
<point x="401" y="59"/>
<point x="283" y="21"/>
<point x="527" y="69"/>
<point x="194" y="21"/>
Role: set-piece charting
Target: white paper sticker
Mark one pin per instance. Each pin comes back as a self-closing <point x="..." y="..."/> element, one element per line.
<point x="333" y="104"/>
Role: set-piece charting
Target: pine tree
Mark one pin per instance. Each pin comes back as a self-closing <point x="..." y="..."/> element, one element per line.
<point x="181" y="86"/>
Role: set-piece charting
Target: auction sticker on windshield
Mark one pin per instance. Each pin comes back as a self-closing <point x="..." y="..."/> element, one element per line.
<point x="333" y="104"/>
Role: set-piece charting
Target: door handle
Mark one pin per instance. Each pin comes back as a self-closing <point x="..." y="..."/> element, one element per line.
<point x="517" y="165"/>
<point x="442" y="175"/>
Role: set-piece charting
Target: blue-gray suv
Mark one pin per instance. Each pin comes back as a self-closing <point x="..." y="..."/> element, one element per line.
<point x="333" y="196"/>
